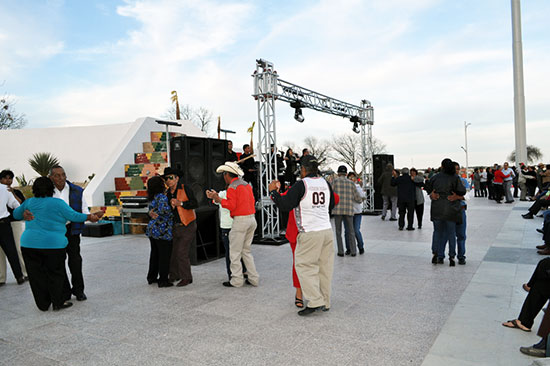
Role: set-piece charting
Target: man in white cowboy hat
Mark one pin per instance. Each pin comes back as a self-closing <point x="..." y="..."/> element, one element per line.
<point x="240" y="203"/>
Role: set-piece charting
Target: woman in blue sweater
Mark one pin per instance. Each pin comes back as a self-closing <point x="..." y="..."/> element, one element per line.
<point x="43" y="243"/>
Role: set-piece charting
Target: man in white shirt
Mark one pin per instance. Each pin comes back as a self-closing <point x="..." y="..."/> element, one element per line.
<point x="72" y="195"/>
<point x="507" y="184"/>
<point x="7" y="199"/>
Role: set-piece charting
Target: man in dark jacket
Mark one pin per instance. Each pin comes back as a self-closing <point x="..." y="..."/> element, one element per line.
<point x="389" y="193"/>
<point x="406" y="196"/>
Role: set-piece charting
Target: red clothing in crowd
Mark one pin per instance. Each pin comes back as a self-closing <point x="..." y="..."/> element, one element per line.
<point x="240" y="200"/>
<point x="499" y="177"/>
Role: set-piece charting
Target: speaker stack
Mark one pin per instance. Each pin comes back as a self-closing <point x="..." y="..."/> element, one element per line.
<point x="379" y="166"/>
<point x="198" y="158"/>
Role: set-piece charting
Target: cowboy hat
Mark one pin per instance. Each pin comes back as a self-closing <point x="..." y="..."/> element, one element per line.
<point x="230" y="167"/>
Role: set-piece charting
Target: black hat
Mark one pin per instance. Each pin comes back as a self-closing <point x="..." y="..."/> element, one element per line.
<point x="169" y="171"/>
<point x="342" y="169"/>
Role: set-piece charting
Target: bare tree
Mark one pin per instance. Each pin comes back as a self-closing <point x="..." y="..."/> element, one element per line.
<point x="186" y="113"/>
<point x="203" y="119"/>
<point x="9" y="117"/>
<point x="319" y="148"/>
<point x="346" y="149"/>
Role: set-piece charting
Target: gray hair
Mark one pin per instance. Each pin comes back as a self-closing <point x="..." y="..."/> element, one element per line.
<point x="404" y="170"/>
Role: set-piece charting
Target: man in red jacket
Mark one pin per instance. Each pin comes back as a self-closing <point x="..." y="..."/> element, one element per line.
<point x="240" y="203"/>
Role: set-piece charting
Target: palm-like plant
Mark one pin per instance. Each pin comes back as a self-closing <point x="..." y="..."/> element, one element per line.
<point x="42" y="163"/>
<point x="533" y="154"/>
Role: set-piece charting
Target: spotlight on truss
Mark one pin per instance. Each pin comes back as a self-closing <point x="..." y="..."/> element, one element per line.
<point x="297" y="111"/>
<point x="355" y="121"/>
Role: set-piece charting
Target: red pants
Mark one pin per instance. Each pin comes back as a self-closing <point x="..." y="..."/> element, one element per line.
<point x="295" y="281"/>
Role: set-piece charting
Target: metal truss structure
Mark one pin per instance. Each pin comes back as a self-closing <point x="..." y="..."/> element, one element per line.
<point x="267" y="89"/>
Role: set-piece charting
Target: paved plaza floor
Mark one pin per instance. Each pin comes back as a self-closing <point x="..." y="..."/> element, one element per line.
<point x="390" y="306"/>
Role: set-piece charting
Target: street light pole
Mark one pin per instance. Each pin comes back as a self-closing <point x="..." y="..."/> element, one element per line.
<point x="465" y="148"/>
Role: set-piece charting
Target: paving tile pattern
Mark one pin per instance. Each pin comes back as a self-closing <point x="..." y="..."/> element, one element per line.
<point x="389" y="306"/>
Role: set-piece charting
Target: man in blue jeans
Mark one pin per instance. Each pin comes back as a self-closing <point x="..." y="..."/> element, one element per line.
<point x="460" y="230"/>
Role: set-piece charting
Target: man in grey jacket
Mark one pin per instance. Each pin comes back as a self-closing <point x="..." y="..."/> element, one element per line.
<point x="389" y="193"/>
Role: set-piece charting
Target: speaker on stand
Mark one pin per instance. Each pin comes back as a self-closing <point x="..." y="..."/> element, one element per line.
<point x="379" y="166"/>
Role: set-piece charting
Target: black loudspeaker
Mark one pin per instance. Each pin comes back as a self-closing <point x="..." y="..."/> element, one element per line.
<point x="207" y="245"/>
<point x="198" y="158"/>
<point x="217" y="155"/>
<point x="190" y="156"/>
<point x="379" y="165"/>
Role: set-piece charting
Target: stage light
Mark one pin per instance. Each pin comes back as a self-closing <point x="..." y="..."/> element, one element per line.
<point x="297" y="111"/>
<point x="354" y="119"/>
<point x="356" y="127"/>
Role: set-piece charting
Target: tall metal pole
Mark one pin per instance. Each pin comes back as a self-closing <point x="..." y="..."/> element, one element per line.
<point x="519" y="96"/>
<point x="466" y="144"/>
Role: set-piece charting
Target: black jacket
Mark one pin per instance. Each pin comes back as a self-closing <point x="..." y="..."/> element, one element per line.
<point x="406" y="189"/>
<point x="445" y="185"/>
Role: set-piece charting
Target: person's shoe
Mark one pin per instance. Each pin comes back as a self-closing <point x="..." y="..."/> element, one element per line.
<point x="462" y="261"/>
<point x="499" y="202"/>
<point x="152" y="281"/>
<point x="532" y="351"/>
<point x="354" y="254"/>
<point x="527" y="216"/>
<point x="383" y="217"/>
<point x="348" y="252"/>
<point x="410" y="228"/>
<point x="184" y="283"/>
<point x="434" y="259"/>
<point x="65" y="305"/>
<point x="340" y="254"/>
<point x="451" y="262"/>
<point x="248" y="282"/>
<point x="81" y="296"/>
<point x="227" y="284"/>
<point x="440" y="261"/>
<point x="2" y="283"/>
<point x="361" y="251"/>
<point x="21" y="280"/>
<point x="509" y="201"/>
<point x="544" y="252"/>
<point x="523" y="199"/>
<point x="308" y="311"/>
<point x="540" y="231"/>
<point x="326" y="309"/>
<point x="393" y="219"/>
<point x="420" y="226"/>
<point x="543" y="246"/>
<point x="400" y="228"/>
<point x="165" y="284"/>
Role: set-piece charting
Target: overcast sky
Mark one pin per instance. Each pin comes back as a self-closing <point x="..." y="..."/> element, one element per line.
<point x="426" y="65"/>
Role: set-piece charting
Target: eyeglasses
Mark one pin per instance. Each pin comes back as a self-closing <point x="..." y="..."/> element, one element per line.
<point x="170" y="177"/>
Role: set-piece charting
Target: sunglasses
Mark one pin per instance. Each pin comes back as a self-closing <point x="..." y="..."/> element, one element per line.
<point x="170" y="177"/>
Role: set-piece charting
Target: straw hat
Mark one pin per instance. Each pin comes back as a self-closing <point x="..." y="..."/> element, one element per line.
<point x="230" y="167"/>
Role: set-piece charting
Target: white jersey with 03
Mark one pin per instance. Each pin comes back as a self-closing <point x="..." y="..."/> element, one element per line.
<point x="312" y="212"/>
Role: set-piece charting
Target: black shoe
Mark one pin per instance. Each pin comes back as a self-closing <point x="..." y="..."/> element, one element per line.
<point x="326" y="309"/>
<point x="434" y="259"/>
<point x="509" y="201"/>
<point x="540" y="231"/>
<point x="361" y="251"/>
<point x="165" y="284"/>
<point x="340" y="254"/>
<point x="440" y="261"/>
<point x="527" y="216"/>
<point x="410" y="228"/>
<point x="308" y="311"/>
<point x="462" y="261"/>
<point x="248" y="282"/>
<point x="21" y="280"/>
<point x="383" y="218"/>
<point x="354" y="254"/>
<point x="451" y="262"/>
<point x="2" y="283"/>
<point x="227" y="284"/>
<point x="65" y="305"/>
<point x="152" y="281"/>
<point x="348" y="252"/>
<point x="420" y="226"/>
<point x="81" y="296"/>
<point x="392" y="219"/>
<point x="532" y="351"/>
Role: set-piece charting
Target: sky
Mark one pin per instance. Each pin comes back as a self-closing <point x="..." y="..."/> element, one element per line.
<point x="427" y="66"/>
